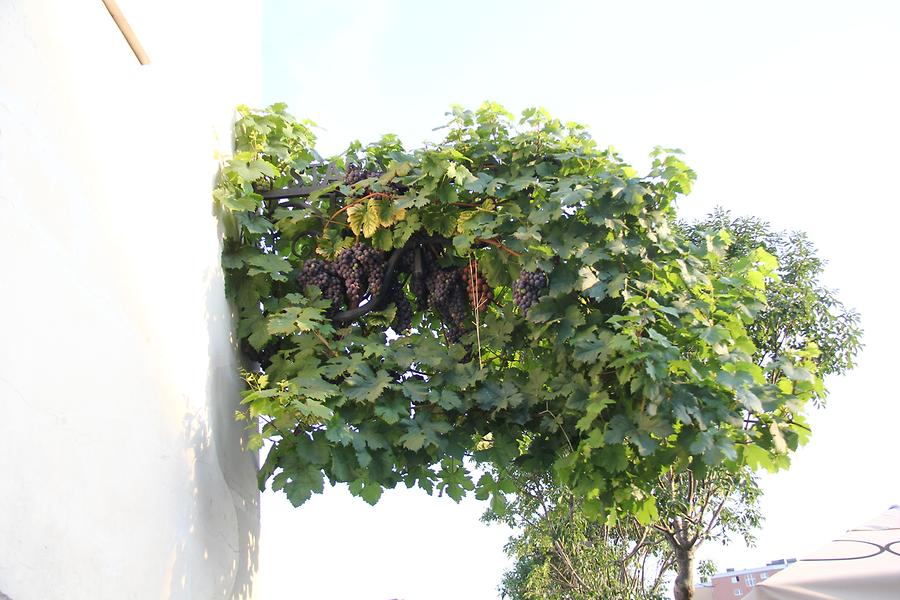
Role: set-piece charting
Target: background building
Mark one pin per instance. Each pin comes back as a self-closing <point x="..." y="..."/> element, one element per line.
<point x="123" y="472"/>
<point x="738" y="583"/>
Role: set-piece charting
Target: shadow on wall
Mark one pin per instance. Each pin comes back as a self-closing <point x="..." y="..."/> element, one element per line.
<point x="217" y="555"/>
<point x="240" y="465"/>
<point x="224" y="385"/>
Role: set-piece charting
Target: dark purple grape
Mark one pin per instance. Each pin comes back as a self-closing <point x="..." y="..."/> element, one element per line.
<point x="323" y="275"/>
<point x="404" y="315"/>
<point x="528" y="288"/>
<point x="447" y="296"/>
<point x="354" y="275"/>
<point x="478" y="291"/>
<point x="355" y="174"/>
<point x="372" y="263"/>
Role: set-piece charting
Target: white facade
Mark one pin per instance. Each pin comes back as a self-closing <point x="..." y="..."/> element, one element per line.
<point x="122" y="472"/>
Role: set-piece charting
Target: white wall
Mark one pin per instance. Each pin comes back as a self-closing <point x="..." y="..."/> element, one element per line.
<point x="122" y="473"/>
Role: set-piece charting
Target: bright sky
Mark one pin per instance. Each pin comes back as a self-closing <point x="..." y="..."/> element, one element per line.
<point x="787" y="110"/>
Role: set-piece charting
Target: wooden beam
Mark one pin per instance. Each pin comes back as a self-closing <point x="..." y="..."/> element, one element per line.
<point x="116" y="13"/>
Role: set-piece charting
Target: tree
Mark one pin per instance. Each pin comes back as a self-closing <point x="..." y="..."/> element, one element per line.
<point x="700" y="505"/>
<point x="697" y="503"/>
<point x="696" y="507"/>
<point x="513" y="293"/>
<point x="799" y="308"/>
<point x="560" y="554"/>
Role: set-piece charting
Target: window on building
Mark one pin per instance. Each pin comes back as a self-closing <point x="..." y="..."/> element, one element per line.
<point x="735" y="579"/>
<point x="763" y="576"/>
<point x="750" y="580"/>
<point x="738" y="592"/>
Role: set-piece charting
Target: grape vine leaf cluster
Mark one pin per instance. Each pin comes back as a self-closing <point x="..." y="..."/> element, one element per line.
<point x="635" y="356"/>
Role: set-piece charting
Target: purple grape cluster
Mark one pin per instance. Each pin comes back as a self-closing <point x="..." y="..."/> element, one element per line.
<point x="354" y="275"/>
<point x="355" y="174"/>
<point x="361" y="268"/>
<point x="372" y="263"/>
<point x="357" y="273"/>
<point x="404" y="315"/>
<point x="528" y="288"/>
<point x="323" y="275"/>
<point x="447" y="296"/>
<point x="478" y="291"/>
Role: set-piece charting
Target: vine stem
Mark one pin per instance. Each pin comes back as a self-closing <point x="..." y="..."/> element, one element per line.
<point x="473" y="281"/>
<point x="496" y="244"/>
<point x="325" y="342"/>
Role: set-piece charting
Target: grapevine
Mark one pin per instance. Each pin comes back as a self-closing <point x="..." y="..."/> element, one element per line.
<point x="609" y="346"/>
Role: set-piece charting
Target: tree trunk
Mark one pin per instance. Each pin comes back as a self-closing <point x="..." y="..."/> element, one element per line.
<point x="684" y="580"/>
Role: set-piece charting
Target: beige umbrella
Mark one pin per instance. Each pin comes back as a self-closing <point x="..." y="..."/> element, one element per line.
<point x="863" y="564"/>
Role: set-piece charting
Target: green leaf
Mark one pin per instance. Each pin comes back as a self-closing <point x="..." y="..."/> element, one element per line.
<point x="647" y="512"/>
<point x="366" y="385"/>
<point x="311" y="385"/>
<point x="313" y="408"/>
<point x="250" y="202"/>
<point x="392" y="410"/>
<point x="598" y="402"/>
<point x="383" y="239"/>
<point x="270" y="264"/>
<point x="414" y="440"/>
<point x="450" y="400"/>
<point x="304" y="484"/>
<point x="757" y="457"/>
<point x="370" y="492"/>
<point x="313" y="451"/>
<point x="796" y="373"/>
<point x="372" y="438"/>
<point x="264" y="167"/>
<point x="259" y="335"/>
<point x="298" y="318"/>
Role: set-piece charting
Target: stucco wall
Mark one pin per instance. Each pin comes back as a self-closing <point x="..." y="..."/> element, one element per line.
<point x="122" y="473"/>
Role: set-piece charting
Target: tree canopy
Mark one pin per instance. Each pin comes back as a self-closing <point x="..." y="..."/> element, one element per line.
<point x="535" y="304"/>
<point x="558" y="553"/>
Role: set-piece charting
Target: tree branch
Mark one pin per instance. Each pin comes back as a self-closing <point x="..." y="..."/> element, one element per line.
<point x="497" y="244"/>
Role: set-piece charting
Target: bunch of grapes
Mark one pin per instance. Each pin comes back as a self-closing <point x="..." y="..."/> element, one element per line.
<point x="372" y="263"/>
<point x="478" y="291"/>
<point x="447" y="296"/>
<point x="403" y="317"/>
<point x="451" y="293"/>
<point x="322" y="274"/>
<point x="528" y="288"/>
<point x="407" y="262"/>
<point x="354" y="275"/>
<point x="355" y="174"/>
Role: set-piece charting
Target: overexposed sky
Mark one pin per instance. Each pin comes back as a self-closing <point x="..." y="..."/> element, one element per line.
<point x="787" y="110"/>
